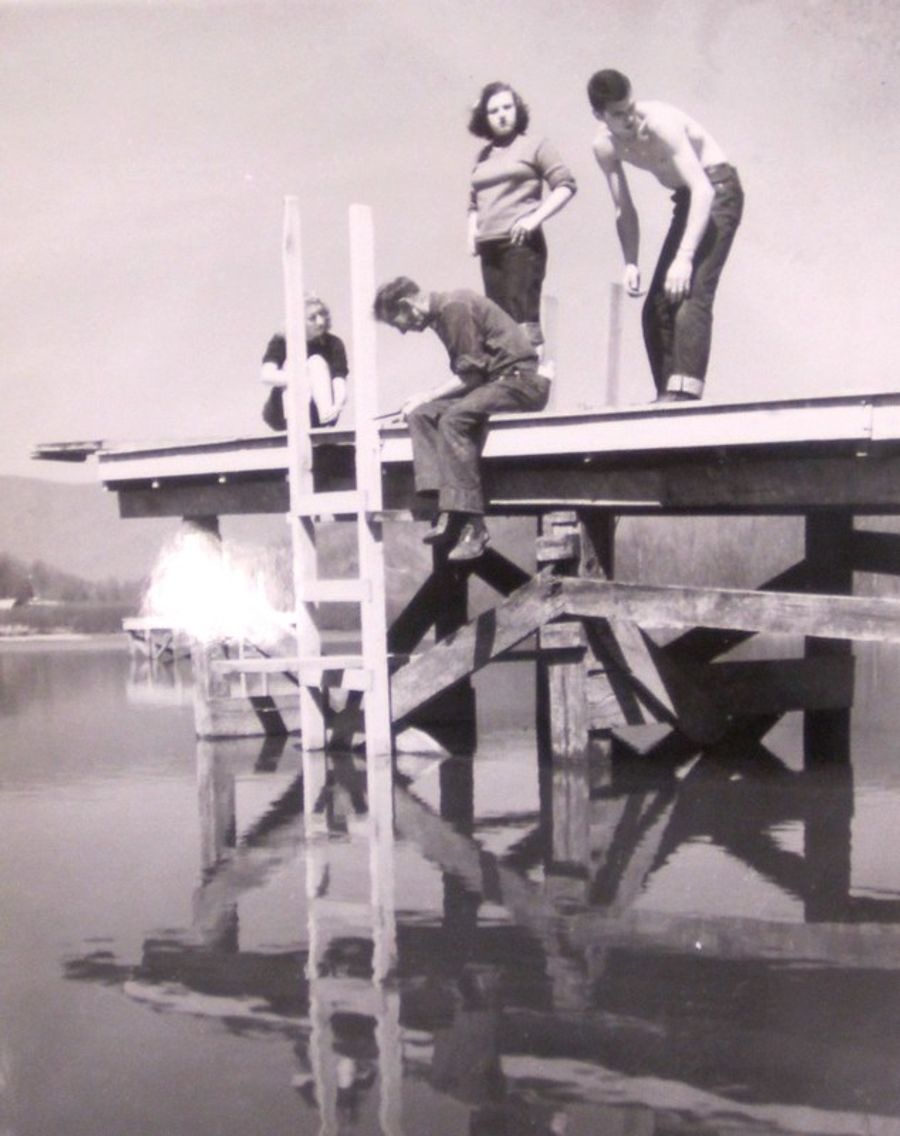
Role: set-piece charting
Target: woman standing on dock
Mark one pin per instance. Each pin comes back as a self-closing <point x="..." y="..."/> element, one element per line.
<point x="507" y="206"/>
<point x="326" y="365"/>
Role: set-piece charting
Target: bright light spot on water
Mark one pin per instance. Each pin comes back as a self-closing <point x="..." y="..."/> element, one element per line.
<point x="211" y="590"/>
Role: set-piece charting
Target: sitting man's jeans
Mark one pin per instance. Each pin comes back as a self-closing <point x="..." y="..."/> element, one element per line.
<point x="448" y="435"/>
<point x="678" y="335"/>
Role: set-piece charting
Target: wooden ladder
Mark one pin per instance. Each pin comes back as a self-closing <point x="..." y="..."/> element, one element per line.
<point x="367" y="672"/>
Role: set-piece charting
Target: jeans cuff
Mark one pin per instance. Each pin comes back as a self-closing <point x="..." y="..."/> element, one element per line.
<point x="461" y="501"/>
<point x="685" y="384"/>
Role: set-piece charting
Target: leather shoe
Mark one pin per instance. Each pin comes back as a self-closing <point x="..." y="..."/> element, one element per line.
<point x="443" y="531"/>
<point x="473" y="540"/>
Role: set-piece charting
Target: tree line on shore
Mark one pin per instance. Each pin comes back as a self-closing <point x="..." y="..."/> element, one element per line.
<point x="26" y="582"/>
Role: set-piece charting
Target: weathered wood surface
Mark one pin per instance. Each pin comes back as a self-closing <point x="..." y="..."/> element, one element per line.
<point x="783" y="455"/>
<point x="775" y="613"/>
<point x="473" y="646"/>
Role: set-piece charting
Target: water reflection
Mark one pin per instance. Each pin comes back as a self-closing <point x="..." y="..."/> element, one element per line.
<point x="469" y="968"/>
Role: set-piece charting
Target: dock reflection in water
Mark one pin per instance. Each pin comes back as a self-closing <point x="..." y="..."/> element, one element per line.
<point x="622" y="945"/>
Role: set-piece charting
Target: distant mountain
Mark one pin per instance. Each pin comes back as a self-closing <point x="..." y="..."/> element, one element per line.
<point x="77" y="528"/>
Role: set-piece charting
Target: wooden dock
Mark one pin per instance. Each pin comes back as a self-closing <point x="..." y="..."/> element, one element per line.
<point x="825" y="461"/>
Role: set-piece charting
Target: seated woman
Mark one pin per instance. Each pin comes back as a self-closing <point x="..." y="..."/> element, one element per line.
<point x="326" y="363"/>
<point x="508" y="205"/>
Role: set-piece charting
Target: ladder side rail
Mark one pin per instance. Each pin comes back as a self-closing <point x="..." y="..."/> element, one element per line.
<point x="300" y="476"/>
<point x="379" y="739"/>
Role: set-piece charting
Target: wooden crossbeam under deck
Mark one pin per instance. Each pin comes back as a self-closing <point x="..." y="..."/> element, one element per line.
<point x="776" y="613"/>
<point x="473" y="646"/>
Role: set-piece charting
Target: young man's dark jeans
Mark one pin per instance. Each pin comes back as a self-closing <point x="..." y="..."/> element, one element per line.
<point x="678" y="335"/>
<point x="513" y="276"/>
<point x="448" y="435"/>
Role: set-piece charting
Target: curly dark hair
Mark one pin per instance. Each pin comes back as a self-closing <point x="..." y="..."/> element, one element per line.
<point x="388" y="297"/>
<point x="607" y="87"/>
<point x="478" y="122"/>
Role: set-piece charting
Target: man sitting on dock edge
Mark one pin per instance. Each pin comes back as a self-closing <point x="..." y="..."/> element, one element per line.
<point x="494" y="367"/>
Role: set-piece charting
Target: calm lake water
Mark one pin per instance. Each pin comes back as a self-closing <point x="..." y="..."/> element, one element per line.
<point x="211" y="939"/>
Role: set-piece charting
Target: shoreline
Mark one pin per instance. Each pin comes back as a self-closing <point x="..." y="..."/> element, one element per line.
<point x="65" y="638"/>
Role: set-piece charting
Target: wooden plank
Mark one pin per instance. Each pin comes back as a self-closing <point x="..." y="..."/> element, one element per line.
<point x="725" y="481"/>
<point x="369" y="530"/>
<point x="299" y="455"/>
<point x="665" y="687"/>
<point x="214" y="463"/>
<point x="718" y="482"/>
<point x="66" y="451"/>
<point x="777" y="613"/>
<point x="672" y="426"/>
<point x="703" y="644"/>
<point x="569" y="712"/>
<point x="664" y="428"/>
<point x="471" y="648"/>
<point x="338" y="503"/>
<point x="285" y="663"/>
<point x="828" y="543"/>
<point x="233" y="498"/>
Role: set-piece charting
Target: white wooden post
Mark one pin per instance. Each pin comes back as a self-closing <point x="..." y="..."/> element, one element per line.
<point x="368" y="480"/>
<point x="614" y="345"/>
<point x="300" y="478"/>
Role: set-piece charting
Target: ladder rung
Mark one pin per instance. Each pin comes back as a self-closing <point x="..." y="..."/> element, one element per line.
<point x="348" y="908"/>
<point x="292" y="663"/>
<point x="347" y="678"/>
<point x="335" y="591"/>
<point x="345" y="671"/>
<point x="344" y="502"/>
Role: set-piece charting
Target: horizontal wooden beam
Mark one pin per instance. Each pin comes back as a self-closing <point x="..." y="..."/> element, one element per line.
<point x="227" y="498"/>
<point x="705" y="481"/>
<point x="776" y="613"/>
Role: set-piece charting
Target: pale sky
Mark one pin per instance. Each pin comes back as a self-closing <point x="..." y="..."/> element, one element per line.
<point x="147" y="149"/>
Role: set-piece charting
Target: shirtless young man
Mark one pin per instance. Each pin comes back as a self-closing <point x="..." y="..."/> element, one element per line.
<point x="685" y="158"/>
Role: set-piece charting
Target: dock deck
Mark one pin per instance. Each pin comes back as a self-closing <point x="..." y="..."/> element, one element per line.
<point x="784" y="456"/>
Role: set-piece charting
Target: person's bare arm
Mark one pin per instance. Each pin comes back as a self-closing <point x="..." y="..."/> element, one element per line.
<point x="627" y="222"/>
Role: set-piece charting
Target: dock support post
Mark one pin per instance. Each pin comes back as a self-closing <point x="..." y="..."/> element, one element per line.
<point x="373" y="616"/>
<point x="826" y="733"/>
<point x="451" y="715"/>
<point x="828" y="542"/>
<point x="582" y="545"/>
<point x="614" y="344"/>
<point x="300" y="475"/>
